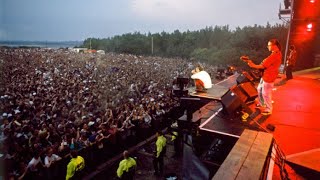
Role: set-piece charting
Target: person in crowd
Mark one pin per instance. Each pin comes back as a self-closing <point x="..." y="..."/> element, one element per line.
<point x="159" y="153"/>
<point x="75" y="166"/>
<point x="49" y="161"/>
<point x="33" y="168"/>
<point x="201" y="79"/>
<point x="127" y="166"/>
<point x="51" y="158"/>
<point x="176" y="138"/>
<point x="291" y="62"/>
<point x="270" y="66"/>
<point x="49" y="98"/>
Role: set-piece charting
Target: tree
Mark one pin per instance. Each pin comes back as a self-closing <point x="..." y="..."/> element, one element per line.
<point x="216" y="45"/>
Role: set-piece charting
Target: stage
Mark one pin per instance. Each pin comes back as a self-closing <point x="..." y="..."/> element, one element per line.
<point x="217" y="90"/>
<point x="294" y="118"/>
<point x="217" y="120"/>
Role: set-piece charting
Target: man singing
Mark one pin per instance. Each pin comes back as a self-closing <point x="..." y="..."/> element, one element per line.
<point x="201" y="78"/>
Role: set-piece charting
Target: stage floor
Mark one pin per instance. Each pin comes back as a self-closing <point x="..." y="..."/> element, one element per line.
<point x="295" y="117"/>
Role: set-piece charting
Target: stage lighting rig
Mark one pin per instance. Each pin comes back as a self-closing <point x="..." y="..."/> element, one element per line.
<point x="287" y="4"/>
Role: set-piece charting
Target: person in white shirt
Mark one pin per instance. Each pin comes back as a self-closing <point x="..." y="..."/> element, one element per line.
<point x="51" y="158"/>
<point x="33" y="169"/>
<point x="201" y="78"/>
<point x="49" y="161"/>
<point x="34" y="163"/>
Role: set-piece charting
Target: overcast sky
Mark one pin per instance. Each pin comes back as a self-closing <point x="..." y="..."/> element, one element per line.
<point x="60" y="20"/>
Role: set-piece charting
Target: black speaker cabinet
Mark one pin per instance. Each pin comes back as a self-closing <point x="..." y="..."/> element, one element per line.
<point x="249" y="91"/>
<point x="244" y="77"/>
<point x="232" y="100"/>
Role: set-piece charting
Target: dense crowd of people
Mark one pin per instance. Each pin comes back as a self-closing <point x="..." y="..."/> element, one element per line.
<point x="53" y="101"/>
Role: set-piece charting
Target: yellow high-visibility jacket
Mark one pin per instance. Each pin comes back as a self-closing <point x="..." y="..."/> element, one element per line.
<point x="75" y="164"/>
<point x="174" y="135"/>
<point x="160" y="144"/>
<point x="125" y="165"/>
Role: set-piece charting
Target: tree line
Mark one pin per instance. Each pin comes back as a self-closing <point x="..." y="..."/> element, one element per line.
<point x="214" y="45"/>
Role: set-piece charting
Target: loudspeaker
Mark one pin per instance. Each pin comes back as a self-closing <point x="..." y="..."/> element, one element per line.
<point x="244" y="77"/>
<point x="256" y="74"/>
<point x="232" y="100"/>
<point x="249" y="91"/>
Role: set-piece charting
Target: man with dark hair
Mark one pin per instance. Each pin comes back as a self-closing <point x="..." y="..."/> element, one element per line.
<point x="159" y="153"/>
<point x="291" y="62"/>
<point x="75" y="166"/>
<point x="201" y="78"/>
<point x="270" y="65"/>
<point x="126" y="167"/>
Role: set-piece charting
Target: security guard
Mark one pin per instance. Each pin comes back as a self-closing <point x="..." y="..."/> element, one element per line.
<point x="126" y="167"/>
<point x="75" y="166"/>
<point x="160" y="152"/>
<point x="175" y="138"/>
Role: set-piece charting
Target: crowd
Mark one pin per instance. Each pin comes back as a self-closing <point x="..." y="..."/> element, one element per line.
<point x="53" y="101"/>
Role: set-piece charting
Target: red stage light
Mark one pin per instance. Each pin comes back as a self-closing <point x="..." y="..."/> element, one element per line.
<point x="312" y="1"/>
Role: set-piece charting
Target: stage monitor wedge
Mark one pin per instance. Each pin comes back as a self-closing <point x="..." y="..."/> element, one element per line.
<point x="244" y="77"/>
<point x="249" y="90"/>
<point x="256" y="74"/>
<point x="232" y="100"/>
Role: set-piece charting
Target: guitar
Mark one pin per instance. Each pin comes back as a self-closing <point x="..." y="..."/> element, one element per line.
<point x="247" y="60"/>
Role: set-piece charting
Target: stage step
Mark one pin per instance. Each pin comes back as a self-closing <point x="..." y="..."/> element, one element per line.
<point x="248" y="157"/>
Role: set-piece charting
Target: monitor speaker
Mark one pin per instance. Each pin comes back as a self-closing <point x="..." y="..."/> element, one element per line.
<point x="244" y="77"/>
<point x="256" y="74"/>
<point x="232" y="101"/>
<point x="249" y="91"/>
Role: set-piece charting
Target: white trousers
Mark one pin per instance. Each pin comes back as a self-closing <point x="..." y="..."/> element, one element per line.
<point x="265" y="94"/>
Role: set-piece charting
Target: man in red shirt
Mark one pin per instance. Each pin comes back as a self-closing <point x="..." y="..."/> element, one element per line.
<point x="270" y="66"/>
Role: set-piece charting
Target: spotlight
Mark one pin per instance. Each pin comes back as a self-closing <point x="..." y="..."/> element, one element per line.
<point x="309" y="27"/>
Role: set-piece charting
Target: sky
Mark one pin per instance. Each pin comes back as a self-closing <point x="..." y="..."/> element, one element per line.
<point x="68" y="20"/>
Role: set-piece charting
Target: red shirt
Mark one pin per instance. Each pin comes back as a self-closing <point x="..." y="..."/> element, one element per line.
<point x="271" y="66"/>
